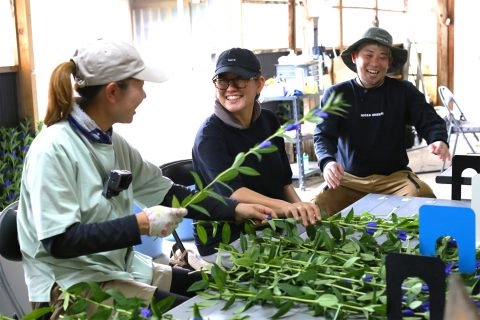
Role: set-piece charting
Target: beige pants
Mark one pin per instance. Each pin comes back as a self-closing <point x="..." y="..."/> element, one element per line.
<point x="352" y="188"/>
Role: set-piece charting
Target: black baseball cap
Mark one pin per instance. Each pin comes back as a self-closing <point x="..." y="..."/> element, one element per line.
<point x="239" y="61"/>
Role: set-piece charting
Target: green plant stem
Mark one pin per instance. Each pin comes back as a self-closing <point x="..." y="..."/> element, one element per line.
<point x="248" y="295"/>
<point x="340" y="256"/>
<point x="102" y="305"/>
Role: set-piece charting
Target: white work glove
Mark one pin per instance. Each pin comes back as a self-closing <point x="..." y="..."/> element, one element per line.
<point x="163" y="220"/>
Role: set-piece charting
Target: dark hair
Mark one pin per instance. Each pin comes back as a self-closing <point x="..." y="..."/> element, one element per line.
<point x="87" y="94"/>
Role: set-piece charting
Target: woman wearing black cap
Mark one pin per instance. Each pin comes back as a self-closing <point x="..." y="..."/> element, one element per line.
<point x="365" y="151"/>
<point x="238" y="124"/>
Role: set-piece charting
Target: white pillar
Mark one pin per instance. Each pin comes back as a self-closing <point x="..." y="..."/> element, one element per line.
<point x="476" y="205"/>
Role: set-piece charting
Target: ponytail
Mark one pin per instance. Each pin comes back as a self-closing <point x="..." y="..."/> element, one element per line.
<point x="60" y="93"/>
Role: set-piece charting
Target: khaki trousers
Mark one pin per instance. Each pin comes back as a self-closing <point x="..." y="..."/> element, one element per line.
<point x="353" y="188"/>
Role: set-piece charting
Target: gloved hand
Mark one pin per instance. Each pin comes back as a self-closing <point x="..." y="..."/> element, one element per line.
<point x="163" y="220"/>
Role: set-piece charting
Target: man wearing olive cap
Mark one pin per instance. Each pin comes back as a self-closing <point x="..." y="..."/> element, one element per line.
<point x="365" y="151"/>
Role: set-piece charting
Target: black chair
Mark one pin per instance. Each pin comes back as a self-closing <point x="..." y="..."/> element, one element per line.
<point x="9" y="246"/>
<point x="456" y="121"/>
<point x="13" y="289"/>
<point x="180" y="172"/>
<point x="460" y="162"/>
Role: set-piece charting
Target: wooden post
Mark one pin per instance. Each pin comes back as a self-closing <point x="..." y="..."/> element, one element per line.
<point x="292" y="26"/>
<point x="445" y="44"/>
<point x="26" y="77"/>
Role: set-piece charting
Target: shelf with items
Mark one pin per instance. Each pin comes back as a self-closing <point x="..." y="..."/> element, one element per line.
<point x="310" y="165"/>
<point x="305" y="77"/>
<point x="299" y="138"/>
<point x="311" y="170"/>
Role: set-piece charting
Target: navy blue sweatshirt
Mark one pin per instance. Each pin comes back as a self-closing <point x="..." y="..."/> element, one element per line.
<point x="216" y="146"/>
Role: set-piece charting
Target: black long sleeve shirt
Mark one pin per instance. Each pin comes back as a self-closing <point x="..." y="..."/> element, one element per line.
<point x="82" y="239"/>
<point x="370" y="138"/>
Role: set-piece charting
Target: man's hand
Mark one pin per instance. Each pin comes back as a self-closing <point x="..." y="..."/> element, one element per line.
<point x="163" y="220"/>
<point x="440" y="148"/>
<point x="333" y="174"/>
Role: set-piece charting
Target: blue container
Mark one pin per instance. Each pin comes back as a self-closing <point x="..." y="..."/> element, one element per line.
<point x="184" y="230"/>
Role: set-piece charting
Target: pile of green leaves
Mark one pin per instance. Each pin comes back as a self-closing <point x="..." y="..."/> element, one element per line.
<point x="336" y="270"/>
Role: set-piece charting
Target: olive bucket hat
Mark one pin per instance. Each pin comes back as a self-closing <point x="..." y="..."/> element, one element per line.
<point x="382" y="37"/>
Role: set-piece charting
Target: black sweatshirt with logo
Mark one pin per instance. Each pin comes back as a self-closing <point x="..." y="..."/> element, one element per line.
<point x="370" y="138"/>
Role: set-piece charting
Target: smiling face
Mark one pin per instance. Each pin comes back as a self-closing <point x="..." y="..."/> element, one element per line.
<point x="372" y="61"/>
<point x="116" y="102"/>
<point x="129" y="99"/>
<point x="237" y="99"/>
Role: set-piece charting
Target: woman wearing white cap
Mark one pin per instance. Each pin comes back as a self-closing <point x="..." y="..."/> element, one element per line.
<point x="80" y="179"/>
<point x="365" y="151"/>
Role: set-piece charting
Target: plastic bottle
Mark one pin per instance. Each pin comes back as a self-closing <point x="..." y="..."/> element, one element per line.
<point x="306" y="162"/>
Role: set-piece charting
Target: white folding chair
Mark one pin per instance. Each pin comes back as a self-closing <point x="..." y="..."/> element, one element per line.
<point x="456" y="121"/>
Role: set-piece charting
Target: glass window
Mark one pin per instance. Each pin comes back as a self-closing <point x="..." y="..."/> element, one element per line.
<point x="355" y="22"/>
<point x="329" y="27"/>
<point x="395" y="23"/>
<point x="8" y="36"/>
<point x="359" y="3"/>
<point x="265" y="25"/>
<point x="395" y="5"/>
<point x="261" y="32"/>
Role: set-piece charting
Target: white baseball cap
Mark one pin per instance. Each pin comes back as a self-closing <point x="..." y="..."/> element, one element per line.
<point x="103" y="61"/>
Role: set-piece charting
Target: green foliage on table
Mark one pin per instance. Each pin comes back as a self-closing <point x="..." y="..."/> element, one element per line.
<point x="14" y="144"/>
<point x="336" y="271"/>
